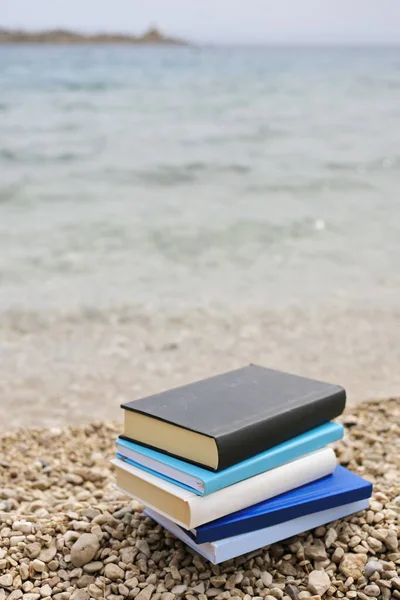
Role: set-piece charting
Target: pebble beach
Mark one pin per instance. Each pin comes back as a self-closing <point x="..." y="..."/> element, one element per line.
<point x="67" y="534"/>
<point x="167" y="215"/>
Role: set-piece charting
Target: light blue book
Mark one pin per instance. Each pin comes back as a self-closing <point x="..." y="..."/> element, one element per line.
<point x="204" y="482"/>
<point x="228" y="548"/>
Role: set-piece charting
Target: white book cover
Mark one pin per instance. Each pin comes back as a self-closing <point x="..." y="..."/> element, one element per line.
<point x="202" y="509"/>
<point x="228" y="548"/>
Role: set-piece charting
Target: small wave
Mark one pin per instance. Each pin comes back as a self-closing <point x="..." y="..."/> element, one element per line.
<point x="187" y="173"/>
<point x="238" y="239"/>
<point x="383" y="163"/>
<point x="93" y="86"/>
<point x="37" y="157"/>
<point x="199" y="167"/>
<point x="260" y="134"/>
<point x="167" y="176"/>
<point x="317" y="185"/>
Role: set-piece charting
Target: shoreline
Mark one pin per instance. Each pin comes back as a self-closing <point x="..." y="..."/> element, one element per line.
<point x="59" y="369"/>
<point x="56" y="486"/>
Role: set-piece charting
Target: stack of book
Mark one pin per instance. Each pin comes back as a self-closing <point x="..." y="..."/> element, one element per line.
<point x="238" y="461"/>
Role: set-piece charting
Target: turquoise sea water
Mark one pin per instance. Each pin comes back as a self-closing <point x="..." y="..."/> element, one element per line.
<point x="172" y="178"/>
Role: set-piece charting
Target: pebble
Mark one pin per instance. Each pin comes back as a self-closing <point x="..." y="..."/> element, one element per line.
<point x="331" y="537"/>
<point x="266" y="578"/>
<point x="33" y="550"/>
<point x="113" y="571"/>
<point x="179" y="589"/>
<point x="79" y="594"/>
<point x="218" y="581"/>
<point x="84" y="549"/>
<point x="6" y="580"/>
<point x="352" y="565"/>
<point x="372" y="590"/>
<point x="47" y="554"/>
<point x="338" y="555"/>
<point x="95" y="591"/>
<point x="372" y="566"/>
<point x="146" y="593"/>
<point x="23" y="527"/>
<point x="143" y="547"/>
<point x="318" y="582"/>
<point x="38" y="565"/>
<point x="391" y="541"/>
<point x="131" y="557"/>
<point x="93" y="567"/>
<point x="16" y="539"/>
<point x="292" y="591"/>
<point x="315" y="550"/>
<point x="46" y="591"/>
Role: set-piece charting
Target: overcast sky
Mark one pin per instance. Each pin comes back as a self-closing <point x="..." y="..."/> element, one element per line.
<point x="227" y="21"/>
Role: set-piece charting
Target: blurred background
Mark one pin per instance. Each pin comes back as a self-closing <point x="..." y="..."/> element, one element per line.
<point x="169" y="211"/>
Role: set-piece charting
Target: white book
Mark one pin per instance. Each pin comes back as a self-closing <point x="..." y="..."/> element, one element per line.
<point x="228" y="548"/>
<point x="190" y="510"/>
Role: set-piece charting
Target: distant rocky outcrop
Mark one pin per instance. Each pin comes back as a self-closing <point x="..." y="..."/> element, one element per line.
<point x="63" y="36"/>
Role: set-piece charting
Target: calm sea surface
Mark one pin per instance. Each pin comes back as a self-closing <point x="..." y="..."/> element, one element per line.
<point x="173" y="178"/>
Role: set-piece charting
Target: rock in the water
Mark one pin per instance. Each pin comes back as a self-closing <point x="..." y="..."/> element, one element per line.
<point x="84" y="549"/>
<point x="318" y="582"/>
<point x="352" y="565"/>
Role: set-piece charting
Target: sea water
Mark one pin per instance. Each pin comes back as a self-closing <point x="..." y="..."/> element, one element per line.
<point x="190" y="176"/>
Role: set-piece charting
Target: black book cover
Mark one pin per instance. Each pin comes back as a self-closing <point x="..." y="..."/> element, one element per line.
<point x="246" y="411"/>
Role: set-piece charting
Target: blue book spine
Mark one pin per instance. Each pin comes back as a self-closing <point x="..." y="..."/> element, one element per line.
<point x="342" y="487"/>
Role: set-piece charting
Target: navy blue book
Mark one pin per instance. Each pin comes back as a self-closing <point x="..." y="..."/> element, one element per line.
<point x="342" y="487"/>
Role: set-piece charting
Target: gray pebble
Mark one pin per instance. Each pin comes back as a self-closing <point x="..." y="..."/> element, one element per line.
<point x="372" y="590"/>
<point x="93" y="567"/>
<point x="371" y="567"/>
<point x="84" y="549"/>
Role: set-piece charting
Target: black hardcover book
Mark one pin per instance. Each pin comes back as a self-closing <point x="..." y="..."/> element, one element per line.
<point x="222" y="420"/>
